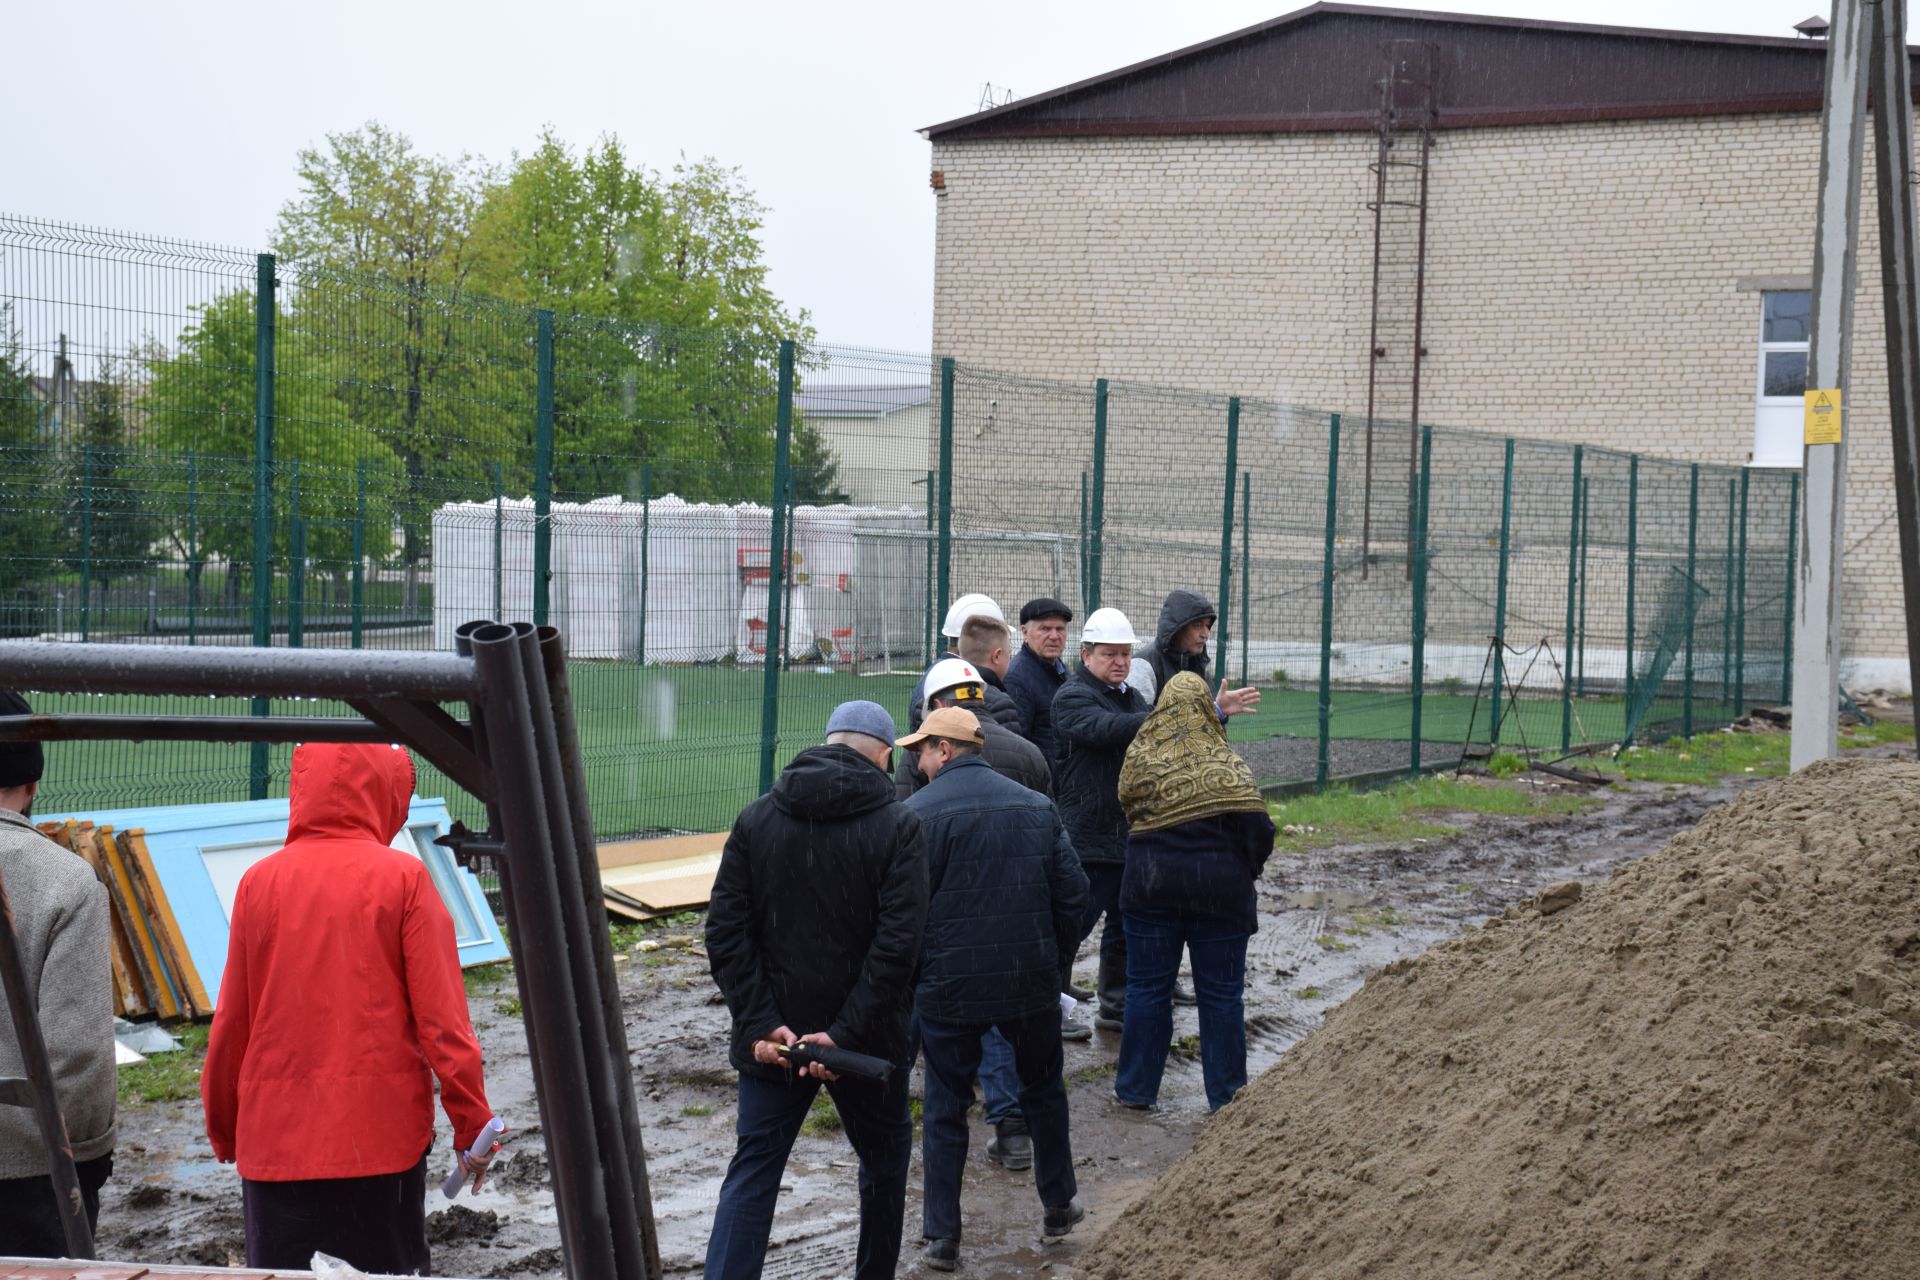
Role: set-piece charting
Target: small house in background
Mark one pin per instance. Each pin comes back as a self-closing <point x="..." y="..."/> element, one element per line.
<point x="1538" y="229"/>
<point x="870" y="427"/>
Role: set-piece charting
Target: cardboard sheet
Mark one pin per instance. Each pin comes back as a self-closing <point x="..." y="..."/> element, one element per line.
<point x="671" y="874"/>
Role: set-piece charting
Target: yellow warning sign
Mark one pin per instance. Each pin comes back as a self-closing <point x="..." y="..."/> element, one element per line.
<point x="1823" y="416"/>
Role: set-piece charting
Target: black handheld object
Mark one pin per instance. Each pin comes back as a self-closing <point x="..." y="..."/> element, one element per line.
<point x="842" y="1062"/>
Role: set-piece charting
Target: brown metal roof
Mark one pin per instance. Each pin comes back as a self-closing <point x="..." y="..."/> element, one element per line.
<point x="1317" y="69"/>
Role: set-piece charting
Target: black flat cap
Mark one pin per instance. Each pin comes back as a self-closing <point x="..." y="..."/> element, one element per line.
<point x="1044" y="607"/>
<point x="20" y="762"/>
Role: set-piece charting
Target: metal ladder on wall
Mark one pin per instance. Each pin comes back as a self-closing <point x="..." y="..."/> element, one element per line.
<point x="1396" y="334"/>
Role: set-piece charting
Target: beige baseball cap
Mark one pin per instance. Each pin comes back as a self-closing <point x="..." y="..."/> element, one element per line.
<point x="947" y="722"/>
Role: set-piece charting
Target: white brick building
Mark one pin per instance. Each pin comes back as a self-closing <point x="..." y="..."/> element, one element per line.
<point x="1607" y="213"/>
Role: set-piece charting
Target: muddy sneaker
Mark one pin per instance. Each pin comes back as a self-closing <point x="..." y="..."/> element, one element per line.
<point x="1011" y="1148"/>
<point x="1085" y="995"/>
<point x="1074" y="1029"/>
<point x="1144" y="1108"/>
<point x="1183" y="993"/>
<point x="1057" y="1222"/>
<point x="1106" y="1021"/>
<point x="942" y="1255"/>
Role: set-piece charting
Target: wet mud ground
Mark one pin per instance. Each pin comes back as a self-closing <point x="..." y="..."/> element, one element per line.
<point x="1328" y="918"/>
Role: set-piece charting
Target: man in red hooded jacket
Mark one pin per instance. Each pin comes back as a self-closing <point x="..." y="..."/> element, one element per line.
<point x="341" y="1002"/>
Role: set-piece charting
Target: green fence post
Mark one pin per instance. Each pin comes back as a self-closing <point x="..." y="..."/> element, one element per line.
<point x="1586" y="527"/>
<point x="296" y="563"/>
<point x="777" y="566"/>
<point x="1221" y="646"/>
<point x="1323" y="764"/>
<point x="1246" y="569"/>
<point x="1793" y="542"/>
<point x="1422" y="496"/>
<point x="543" y="469"/>
<point x="1693" y="544"/>
<point x="1740" y="606"/>
<point x="359" y="579"/>
<point x="1083" y="541"/>
<point x="646" y="538"/>
<point x="786" y="617"/>
<point x="943" y="593"/>
<point x="194" y="567"/>
<point x="1633" y="548"/>
<point x="499" y="543"/>
<point x="1726" y="604"/>
<point x="86" y="542"/>
<point x="1500" y="598"/>
<point x="1573" y="567"/>
<point x="1097" y="512"/>
<point x="926" y="655"/>
<point x="263" y="371"/>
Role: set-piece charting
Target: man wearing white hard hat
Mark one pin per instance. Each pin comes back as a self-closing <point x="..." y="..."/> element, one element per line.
<point x="1095" y="715"/>
<point x="999" y="705"/>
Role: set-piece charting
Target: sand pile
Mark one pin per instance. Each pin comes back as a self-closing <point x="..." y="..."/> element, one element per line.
<point x="1708" y="1065"/>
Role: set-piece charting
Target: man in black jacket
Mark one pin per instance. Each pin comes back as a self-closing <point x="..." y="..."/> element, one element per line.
<point x="953" y="682"/>
<point x="1005" y="897"/>
<point x="813" y="934"/>
<point x="1187" y="620"/>
<point x="1036" y="672"/>
<point x="1095" y="715"/>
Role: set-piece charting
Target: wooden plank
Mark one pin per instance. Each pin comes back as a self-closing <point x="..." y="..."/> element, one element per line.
<point x="146" y="881"/>
<point x="129" y="993"/>
<point x="159" y="991"/>
<point x="626" y="853"/>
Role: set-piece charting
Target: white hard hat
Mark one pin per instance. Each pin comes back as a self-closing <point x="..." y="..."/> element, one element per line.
<point x="951" y="673"/>
<point x="971" y="605"/>
<point x="1108" y="626"/>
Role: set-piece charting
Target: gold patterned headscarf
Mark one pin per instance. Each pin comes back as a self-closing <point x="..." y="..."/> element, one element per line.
<point x="1180" y="768"/>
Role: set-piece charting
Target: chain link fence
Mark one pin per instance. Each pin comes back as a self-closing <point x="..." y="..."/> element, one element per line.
<point x="206" y="446"/>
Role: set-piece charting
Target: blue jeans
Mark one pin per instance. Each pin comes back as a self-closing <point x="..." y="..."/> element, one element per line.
<point x="771" y="1111"/>
<point x="1219" y="951"/>
<point x="953" y="1059"/>
<point x="999" y="1080"/>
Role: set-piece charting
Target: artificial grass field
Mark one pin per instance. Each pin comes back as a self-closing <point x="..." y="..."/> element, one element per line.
<point x="680" y="747"/>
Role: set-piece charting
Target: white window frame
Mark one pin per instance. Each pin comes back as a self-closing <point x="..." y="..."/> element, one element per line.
<point x="1776" y="432"/>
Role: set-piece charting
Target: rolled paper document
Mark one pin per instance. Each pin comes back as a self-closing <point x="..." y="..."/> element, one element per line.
<point x="489" y="1138"/>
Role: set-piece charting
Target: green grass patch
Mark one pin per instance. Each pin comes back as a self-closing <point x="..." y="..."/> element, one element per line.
<point x="1308" y="993"/>
<point x="508" y="1008"/>
<point x="1407" y="811"/>
<point x="822" y="1121"/>
<point x="1187" y="1047"/>
<point x="1092" y="1075"/>
<point x="696" y="1111"/>
<point x="167" y="1077"/>
<point x="485" y="977"/>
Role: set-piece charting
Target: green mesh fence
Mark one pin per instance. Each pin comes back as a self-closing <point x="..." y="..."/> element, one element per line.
<point x="735" y="533"/>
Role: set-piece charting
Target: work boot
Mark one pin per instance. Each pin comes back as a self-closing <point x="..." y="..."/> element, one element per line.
<point x="1057" y="1222"/>
<point x="1084" y="995"/>
<point x="1110" y="1019"/>
<point x="1183" y="993"/>
<point x="1011" y="1148"/>
<point x="1075" y="1030"/>
<point x="943" y="1255"/>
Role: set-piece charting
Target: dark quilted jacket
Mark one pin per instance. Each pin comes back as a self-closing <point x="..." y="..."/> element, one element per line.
<point x="1093" y="726"/>
<point x="1005" y="896"/>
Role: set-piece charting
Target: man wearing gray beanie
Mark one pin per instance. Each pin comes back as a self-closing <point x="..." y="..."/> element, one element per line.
<point x="61" y="924"/>
<point x="813" y="934"/>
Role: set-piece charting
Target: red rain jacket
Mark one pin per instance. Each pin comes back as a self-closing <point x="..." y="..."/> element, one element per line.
<point x="342" y="996"/>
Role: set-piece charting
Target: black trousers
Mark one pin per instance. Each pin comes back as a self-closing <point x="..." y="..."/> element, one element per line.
<point x="30" y="1214"/>
<point x="377" y="1223"/>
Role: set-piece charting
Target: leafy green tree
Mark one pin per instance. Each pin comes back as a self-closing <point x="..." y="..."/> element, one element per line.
<point x="200" y="402"/>
<point x="109" y="522"/>
<point x="669" y="335"/>
<point x="379" y="246"/>
<point x="27" y="547"/>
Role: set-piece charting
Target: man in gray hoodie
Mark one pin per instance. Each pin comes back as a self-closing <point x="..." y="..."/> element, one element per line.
<point x="60" y="920"/>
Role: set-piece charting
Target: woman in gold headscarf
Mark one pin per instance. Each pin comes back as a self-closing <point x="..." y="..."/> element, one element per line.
<point x="1200" y="836"/>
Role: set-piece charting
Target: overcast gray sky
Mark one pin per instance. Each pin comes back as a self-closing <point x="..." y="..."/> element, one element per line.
<point x="183" y="119"/>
